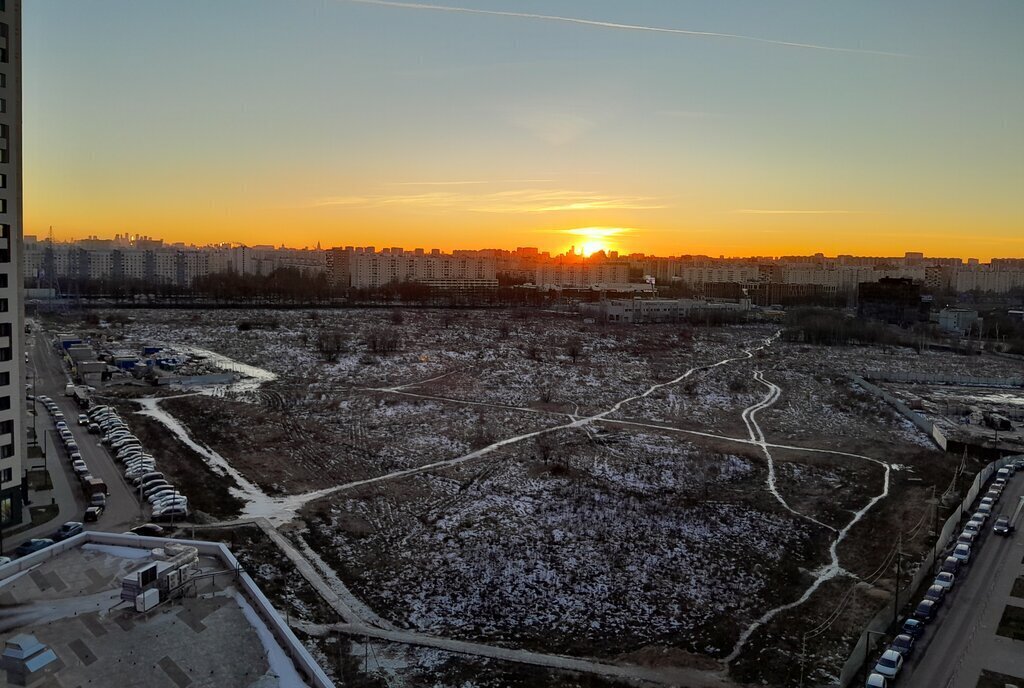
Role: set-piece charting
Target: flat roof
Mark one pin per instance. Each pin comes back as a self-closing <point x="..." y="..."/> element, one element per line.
<point x="220" y="632"/>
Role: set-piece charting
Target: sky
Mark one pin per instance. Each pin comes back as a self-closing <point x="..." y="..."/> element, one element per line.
<point x="732" y="127"/>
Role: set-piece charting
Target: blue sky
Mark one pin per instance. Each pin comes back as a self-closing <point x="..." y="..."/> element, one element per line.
<point x="348" y="123"/>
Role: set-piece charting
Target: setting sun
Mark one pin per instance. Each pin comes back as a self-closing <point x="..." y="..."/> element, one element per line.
<point x="596" y="239"/>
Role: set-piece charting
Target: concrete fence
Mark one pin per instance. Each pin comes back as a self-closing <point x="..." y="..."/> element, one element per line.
<point x="303" y="661"/>
<point x="931" y="379"/>
<point x="924" y="425"/>
<point x="881" y="622"/>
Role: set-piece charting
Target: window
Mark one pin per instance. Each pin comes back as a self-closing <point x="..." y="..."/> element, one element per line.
<point x="5" y="31"/>
<point x="5" y="403"/>
<point x="6" y="510"/>
<point x="5" y="251"/>
<point x="6" y="451"/>
<point x="7" y="476"/>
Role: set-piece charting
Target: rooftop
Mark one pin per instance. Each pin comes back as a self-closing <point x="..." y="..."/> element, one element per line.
<point x="214" y="629"/>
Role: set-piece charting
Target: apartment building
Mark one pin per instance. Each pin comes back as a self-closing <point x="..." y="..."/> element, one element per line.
<point x="12" y="317"/>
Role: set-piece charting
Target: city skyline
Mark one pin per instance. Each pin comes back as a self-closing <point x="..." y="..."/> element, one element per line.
<point x="640" y="128"/>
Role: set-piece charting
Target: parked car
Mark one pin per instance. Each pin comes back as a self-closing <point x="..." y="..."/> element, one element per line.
<point x="98" y="499"/>
<point x="935" y="593"/>
<point x="966" y="538"/>
<point x="946" y="580"/>
<point x="148" y="529"/>
<point x="156" y="486"/>
<point x="889" y="664"/>
<point x="980" y="516"/>
<point x="986" y="501"/>
<point x="993" y="495"/>
<point x="79" y="468"/>
<point x="973" y="526"/>
<point x="925" y="610"/>
<point x="93" y="513"/>
<point x="963" y="553"/>
<point x="161" y="492"/>
<point x="903" y="643"/>
<point x="31" y="546"/>
<point x="985" y="508"/>
<point x="69" y="529"/>
<point x="94" y="429"/>
<point x="5" y="560"/>
<point x="876" y="681"/>
<point x="951" y="565"/>
<point x="173" y="513"/>
<point x="1002" y="526"/>
<point x="75" y="456"/>
<point x="912" y="627"/>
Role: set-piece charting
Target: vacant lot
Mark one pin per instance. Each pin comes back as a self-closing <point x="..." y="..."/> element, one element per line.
<point x="613" y="537"/>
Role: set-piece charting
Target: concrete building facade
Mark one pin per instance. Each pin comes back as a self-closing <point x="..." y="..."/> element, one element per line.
<point x="12" y="317"/>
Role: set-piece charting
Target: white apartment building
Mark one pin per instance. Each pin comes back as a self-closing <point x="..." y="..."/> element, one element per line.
<point x="368" y="269"/>
<point x="581" y="275"/>
<point x="12" y="315"/>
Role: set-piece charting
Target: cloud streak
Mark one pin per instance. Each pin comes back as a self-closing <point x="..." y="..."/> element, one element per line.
<point x="475" y="182"/>
<point x="756" y="211"/>
<point x="511" y="202"/>
<point x="622" y="27"/>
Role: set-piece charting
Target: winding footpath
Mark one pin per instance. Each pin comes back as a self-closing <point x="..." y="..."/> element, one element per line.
<point x="361" y="620"/>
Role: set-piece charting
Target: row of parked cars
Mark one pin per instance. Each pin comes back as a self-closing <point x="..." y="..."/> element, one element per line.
<point x="94" y="488"/>
<point x="889" y="665"/>
<point x="140" y="468"/>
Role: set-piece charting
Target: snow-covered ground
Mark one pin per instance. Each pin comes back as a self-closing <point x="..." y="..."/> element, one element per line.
<point x="599" y="538"/>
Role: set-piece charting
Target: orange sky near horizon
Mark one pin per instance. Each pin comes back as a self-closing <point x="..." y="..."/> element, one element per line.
<point x="852" y="128"/>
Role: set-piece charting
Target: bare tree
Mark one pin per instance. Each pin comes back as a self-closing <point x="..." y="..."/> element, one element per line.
<point x="330" y="344"/>
<point x="574" y="348"/>
<point x="382" y="340"/>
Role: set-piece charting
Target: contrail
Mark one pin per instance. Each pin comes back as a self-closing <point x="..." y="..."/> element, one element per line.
<point x="626" y="27"/>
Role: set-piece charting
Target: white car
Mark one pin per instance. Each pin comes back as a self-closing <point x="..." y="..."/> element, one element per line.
<point x="973" y="527"/>
<point x="889" y="664"/>
<point x="174" y="500"/>
<point x="945" y="581"/>
<point x="985" y="509"/>
<point x="876" y="681"/>
<point x="980" y="516"/>
<point x="963" y="553"/>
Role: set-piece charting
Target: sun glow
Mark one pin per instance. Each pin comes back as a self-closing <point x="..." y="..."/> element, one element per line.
<point x="596" y="239"/>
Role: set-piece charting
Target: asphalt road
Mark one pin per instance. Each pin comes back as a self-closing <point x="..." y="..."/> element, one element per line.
<point x="123" y="510"/>
<point x="962" y="640"/>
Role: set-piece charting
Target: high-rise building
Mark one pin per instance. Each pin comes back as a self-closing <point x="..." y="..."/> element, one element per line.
<point x="12" y="317"/>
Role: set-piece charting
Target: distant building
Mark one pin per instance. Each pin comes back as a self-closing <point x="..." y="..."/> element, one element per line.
<point x="638" y="311"/>
<point x="958" y="320"/>
<point x="893" y="300"/>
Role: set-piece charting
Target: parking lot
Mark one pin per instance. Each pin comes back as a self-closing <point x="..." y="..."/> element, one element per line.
<point x="123" y="508"/>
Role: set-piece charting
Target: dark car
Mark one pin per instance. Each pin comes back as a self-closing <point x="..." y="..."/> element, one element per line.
<point x="936" y="594"/>
<point x="93" y="513"/>
<point x="1002" y="526"/>
<point x="925" y="610"/>
<point x="951" y="565"/>
<point x="903" y="643"/>
<point x="148" y="529"/>
<point x="69" y="529"/>
<point x="31" y="546"/>
<point x="913" y="628"/>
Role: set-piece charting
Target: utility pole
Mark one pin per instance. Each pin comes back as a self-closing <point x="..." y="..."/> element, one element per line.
<point x="899" y="562"/>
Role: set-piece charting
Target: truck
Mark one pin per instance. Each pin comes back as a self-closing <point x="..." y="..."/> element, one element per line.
<point x="94" y="486"/>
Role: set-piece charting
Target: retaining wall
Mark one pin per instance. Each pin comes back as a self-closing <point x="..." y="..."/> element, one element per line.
<point x="930" y="379"/>
<point x="926" y="426"/>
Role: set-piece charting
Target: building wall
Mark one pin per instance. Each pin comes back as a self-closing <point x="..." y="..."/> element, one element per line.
<point x="12" y="319"/>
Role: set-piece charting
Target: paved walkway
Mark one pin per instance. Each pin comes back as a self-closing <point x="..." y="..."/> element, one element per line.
<point x="692" y="678"/>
